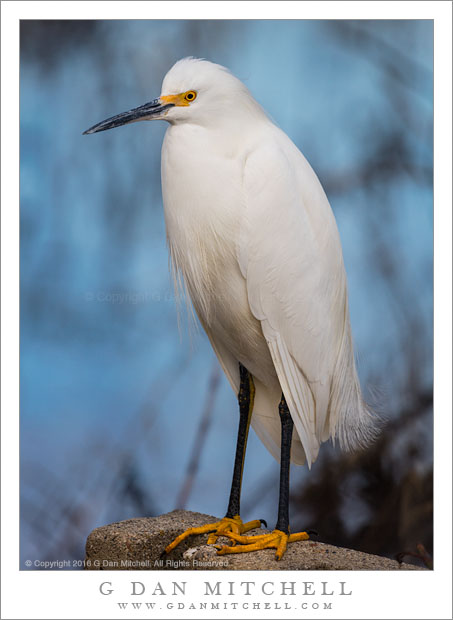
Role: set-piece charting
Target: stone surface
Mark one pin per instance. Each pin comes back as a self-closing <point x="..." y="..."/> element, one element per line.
<point x="137" y="544"/>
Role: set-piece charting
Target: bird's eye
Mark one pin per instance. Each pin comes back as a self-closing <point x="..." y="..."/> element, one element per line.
<point x="190" y="95"/>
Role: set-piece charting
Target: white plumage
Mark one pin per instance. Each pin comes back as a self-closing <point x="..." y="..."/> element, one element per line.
<point x="253" y="237"/>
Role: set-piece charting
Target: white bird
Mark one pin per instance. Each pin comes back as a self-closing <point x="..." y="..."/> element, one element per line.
<point x="252" y="237"/>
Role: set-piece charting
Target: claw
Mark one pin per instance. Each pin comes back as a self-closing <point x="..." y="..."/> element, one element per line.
<point x="223" y="527"/>
<point x="263" y="522"/>
<point x="275" y="540"/>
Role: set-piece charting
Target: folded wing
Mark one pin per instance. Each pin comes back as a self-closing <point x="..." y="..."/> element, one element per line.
<point x="290" y="255"/>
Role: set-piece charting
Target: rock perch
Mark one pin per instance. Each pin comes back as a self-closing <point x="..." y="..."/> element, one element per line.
<point x="136" y="544"/>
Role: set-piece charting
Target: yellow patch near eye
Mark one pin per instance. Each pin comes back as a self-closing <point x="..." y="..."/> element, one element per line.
<point x="183" y="99"/>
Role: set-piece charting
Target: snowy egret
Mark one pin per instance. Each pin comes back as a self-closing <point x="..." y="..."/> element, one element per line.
<point x="252" y="236"/>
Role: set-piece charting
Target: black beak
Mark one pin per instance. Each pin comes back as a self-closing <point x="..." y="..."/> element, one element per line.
<point x="152" y="110"/>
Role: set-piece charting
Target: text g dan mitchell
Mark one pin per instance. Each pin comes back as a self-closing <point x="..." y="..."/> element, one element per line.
<point x="143" y="591"/>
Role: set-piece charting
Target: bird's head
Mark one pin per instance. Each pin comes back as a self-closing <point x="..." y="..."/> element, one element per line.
<point x="195" y="91"/>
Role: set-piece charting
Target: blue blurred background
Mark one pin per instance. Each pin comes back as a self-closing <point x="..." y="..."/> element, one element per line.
<point x="113" y="397"/>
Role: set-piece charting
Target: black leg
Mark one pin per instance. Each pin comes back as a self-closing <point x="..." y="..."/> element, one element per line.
<point x="285" y="459"/>
<point x="245" y="399"/>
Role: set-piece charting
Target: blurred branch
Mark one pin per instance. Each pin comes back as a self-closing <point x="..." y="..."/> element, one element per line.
<point x="44" y="41"/>
<point x="387" y="57"/>
<point x="267" y="484"/>
<point x="383" y="484"/>
<point x="200" y="438"/>
<point x="343" y="182"/>
<point x="64" y="527"/>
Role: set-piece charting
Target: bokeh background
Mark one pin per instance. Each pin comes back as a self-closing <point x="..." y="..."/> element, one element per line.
<point x="124" y="416"/>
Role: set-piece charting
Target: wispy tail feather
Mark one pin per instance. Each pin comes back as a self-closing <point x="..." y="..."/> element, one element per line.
<point x="352" y="421"/>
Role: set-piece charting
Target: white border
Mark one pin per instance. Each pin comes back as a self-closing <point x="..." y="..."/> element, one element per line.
<point x="75" y="594"/>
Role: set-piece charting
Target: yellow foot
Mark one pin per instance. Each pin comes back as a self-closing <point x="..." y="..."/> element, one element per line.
<point x="221" y="528"/>
<point x="275" y="540"/>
